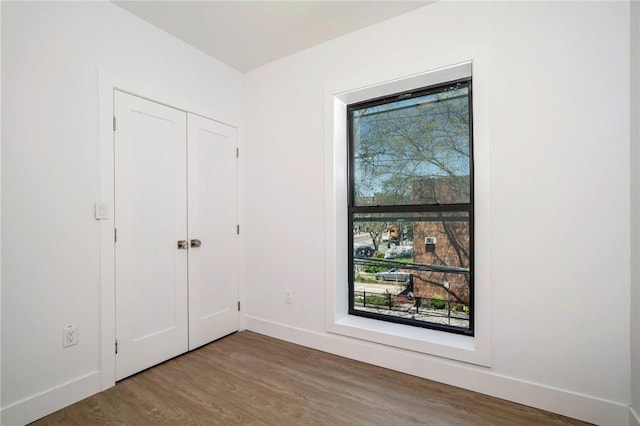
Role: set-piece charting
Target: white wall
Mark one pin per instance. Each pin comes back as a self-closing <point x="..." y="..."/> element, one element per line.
<point x="635" y="214"/>
<point x="0" y="223"/>
<point x="558" y="80"/>
<point x="558" y="84"/>
<point x="51" y="54"/>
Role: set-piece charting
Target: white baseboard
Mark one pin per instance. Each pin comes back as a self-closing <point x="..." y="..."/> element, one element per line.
<point x="38" y="406"/>
<point x="571" y="404"/>
<point x="634" y="417"/>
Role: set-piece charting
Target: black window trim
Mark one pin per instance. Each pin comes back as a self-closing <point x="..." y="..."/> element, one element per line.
<point x="352" y="209"/>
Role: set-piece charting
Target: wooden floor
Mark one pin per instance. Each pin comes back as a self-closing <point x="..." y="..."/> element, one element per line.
<point x="250" y="379"/>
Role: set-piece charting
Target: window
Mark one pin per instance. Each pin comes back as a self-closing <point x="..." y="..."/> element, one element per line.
<point x="410" y="207"/>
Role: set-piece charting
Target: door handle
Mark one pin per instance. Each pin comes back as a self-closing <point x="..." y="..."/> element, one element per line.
<point x="182" y="245"/>
<point x="196" y="243"/>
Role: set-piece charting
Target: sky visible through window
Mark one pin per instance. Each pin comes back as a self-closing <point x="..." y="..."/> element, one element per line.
<point x="425" y="136"/>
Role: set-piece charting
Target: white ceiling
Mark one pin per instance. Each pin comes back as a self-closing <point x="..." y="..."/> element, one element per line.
<point x="248" y="34"/>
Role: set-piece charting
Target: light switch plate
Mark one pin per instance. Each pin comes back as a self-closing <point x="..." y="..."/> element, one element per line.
<point x="102" y="211"/>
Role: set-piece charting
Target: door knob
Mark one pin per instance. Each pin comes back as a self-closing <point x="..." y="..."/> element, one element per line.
<point x="196" y="243"/>
<point x="182" y="244"/>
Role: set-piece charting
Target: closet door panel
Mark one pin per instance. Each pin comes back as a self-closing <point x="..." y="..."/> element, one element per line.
<point x="213" y="212"/>
<point x="150" y="219"/>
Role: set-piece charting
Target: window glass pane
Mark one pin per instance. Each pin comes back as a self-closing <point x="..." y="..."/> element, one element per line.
<point x="413" y="151"/>
<point x="413" y="266"/>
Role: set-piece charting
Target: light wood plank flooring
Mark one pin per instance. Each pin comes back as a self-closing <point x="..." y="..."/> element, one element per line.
<point x="250" y="379"/>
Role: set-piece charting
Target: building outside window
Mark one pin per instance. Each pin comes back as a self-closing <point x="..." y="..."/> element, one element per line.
<point x="410" y="207"/>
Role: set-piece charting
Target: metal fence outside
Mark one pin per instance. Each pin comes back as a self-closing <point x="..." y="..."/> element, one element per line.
<point x="427" y="309"/>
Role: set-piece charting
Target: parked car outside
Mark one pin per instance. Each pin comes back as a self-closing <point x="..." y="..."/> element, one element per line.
<point x="399" y="254"/>
<point x="365" y="251"/>
<point x="393" y="275"/>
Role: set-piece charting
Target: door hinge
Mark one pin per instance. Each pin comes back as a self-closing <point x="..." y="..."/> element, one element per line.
<point x="237" y="152"/>
<point x="238" y="305"/>
<point x="238" y="230"/>
<point x="116" y="347"/>
<point x="115" y="235"/>
<point x="114" y="123"/>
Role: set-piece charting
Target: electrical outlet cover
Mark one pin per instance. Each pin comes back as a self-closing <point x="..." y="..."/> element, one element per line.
<point x="70" y="336"/>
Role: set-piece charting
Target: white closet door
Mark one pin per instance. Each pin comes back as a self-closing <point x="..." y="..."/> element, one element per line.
<point x="213" y="266"/>
<point x="150" y="219"/>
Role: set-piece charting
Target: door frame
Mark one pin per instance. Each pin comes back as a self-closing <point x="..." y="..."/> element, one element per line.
<point x="108" y="81"/>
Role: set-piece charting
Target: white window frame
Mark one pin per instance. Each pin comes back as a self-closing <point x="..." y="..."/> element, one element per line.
<point x="472" y="349"/>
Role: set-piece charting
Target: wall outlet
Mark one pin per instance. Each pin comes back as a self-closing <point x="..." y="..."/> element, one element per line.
<point x="288" y="296"/>
<point x="70" y="336"/>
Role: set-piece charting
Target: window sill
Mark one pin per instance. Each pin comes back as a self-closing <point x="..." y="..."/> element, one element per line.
<point x="422" y="340"/>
